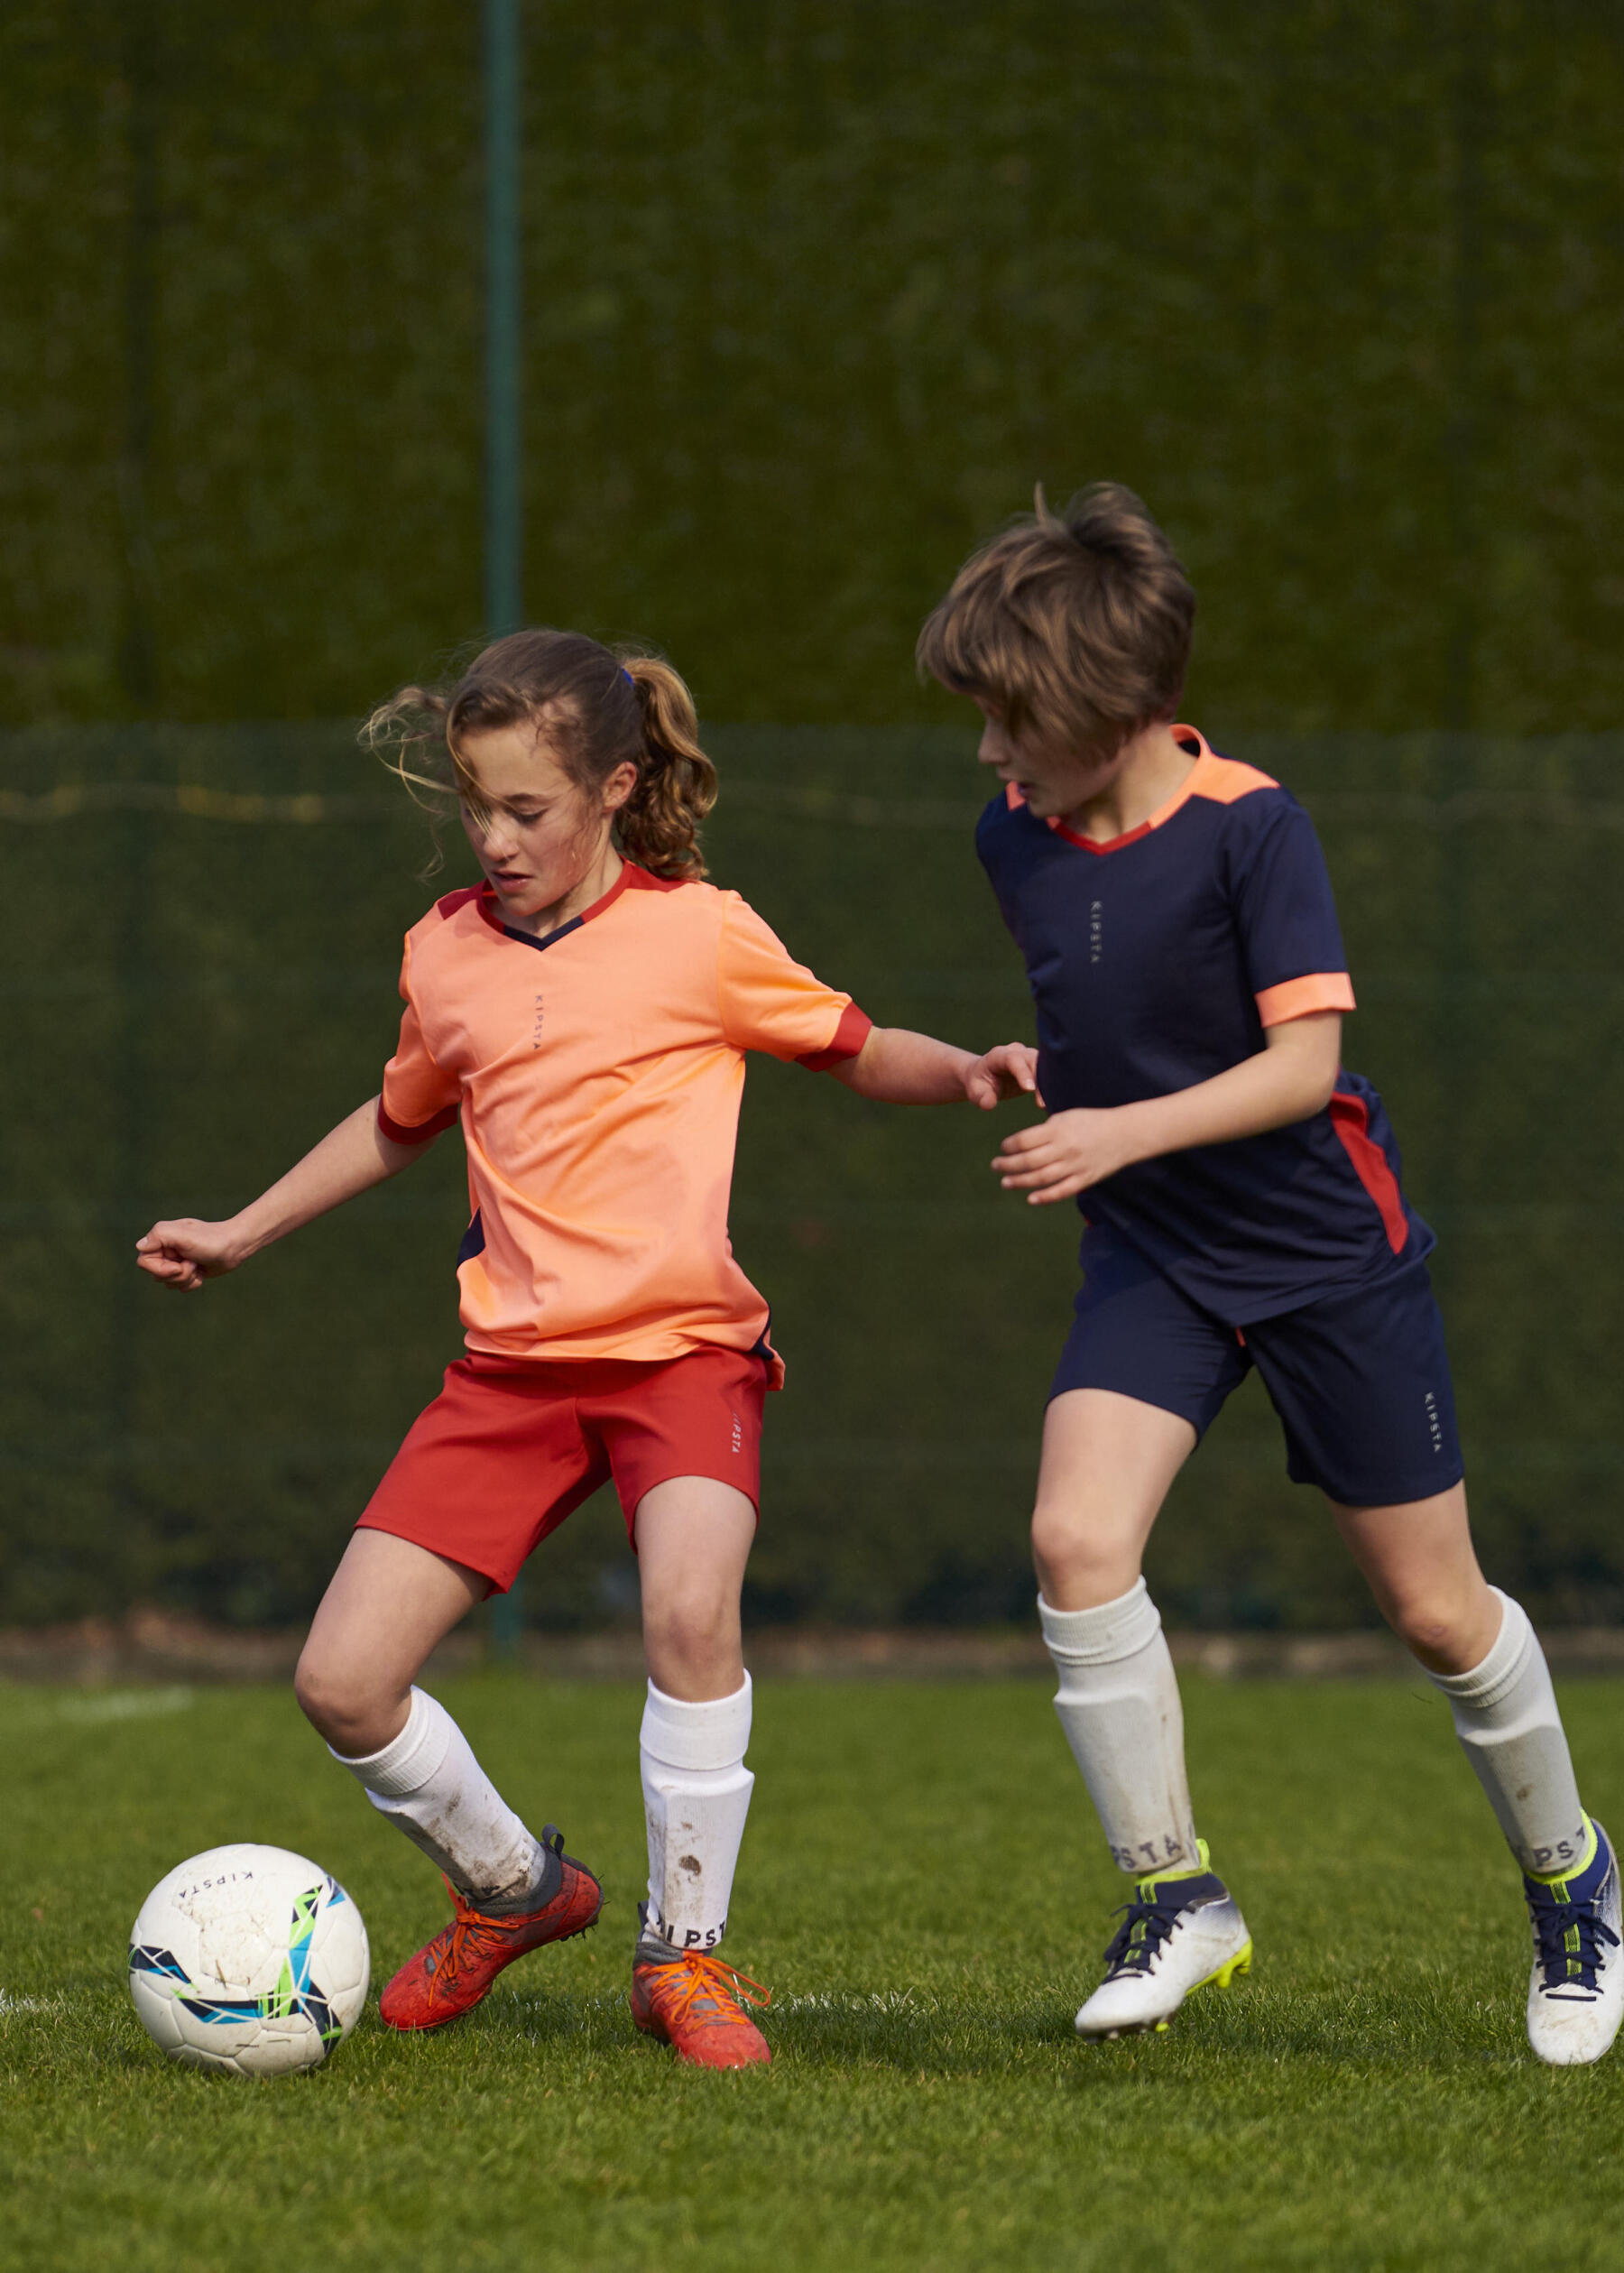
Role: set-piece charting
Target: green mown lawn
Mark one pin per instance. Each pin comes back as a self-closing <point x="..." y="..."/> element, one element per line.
<point x="927" y="1894"/>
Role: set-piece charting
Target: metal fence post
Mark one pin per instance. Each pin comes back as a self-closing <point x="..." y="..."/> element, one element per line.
<point x="504" y="472"/>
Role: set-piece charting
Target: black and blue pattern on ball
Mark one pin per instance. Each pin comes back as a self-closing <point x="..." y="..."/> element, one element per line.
<point x="295" y="1992"/>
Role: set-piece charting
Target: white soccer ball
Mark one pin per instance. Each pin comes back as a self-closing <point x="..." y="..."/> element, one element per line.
<point x="249" y="1959"/>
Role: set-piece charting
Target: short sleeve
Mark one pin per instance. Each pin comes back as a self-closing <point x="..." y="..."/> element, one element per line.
<point x="420" y="1097"/>
<point x="1286" y="917"/>
<point x="772" y="1003"/>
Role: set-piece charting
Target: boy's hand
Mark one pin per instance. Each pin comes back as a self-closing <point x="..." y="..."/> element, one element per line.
<point x="1009" y="1071"/>
<point x="1063" y="1155"/>
<point x="184" y="1252"/>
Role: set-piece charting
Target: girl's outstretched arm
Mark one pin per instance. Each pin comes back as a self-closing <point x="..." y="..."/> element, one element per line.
<point x="351" y="1158"/>
<point x="901" y="1068"/>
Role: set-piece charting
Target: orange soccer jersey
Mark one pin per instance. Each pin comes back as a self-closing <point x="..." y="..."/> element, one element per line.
<point x="597" y="1073"/>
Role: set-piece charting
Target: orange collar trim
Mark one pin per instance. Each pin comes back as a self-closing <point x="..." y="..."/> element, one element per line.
<point x="629" y="876"/>
<point x="1188" y="788"/>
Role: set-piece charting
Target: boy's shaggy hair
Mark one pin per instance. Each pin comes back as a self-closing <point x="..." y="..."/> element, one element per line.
<point x="1073" y="627"/>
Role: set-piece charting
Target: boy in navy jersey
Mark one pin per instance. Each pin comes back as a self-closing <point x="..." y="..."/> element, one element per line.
<point x="1241" y="1206"/>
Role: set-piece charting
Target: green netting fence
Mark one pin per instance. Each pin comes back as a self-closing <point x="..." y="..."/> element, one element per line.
<point x="202" y="931"/>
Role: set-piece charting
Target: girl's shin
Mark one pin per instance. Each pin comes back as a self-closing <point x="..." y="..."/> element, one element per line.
<point x="696" y="1796"/>
<point x="429" y="1785"/>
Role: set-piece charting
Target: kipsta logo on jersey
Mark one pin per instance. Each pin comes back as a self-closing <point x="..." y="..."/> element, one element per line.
<point x="1096" y="929"/>
<point x="1434" y="1423"/>
<point x="536" y="1028"/>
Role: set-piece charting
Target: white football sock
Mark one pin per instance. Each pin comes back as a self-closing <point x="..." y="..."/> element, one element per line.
<point x="428" y="1783"/>
<point x="1118" y="1702"/>
<point x="695" y="1796"/>
<point x="1505" y="1717"/>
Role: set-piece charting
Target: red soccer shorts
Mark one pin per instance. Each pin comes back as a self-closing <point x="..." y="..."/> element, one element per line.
<point x="508" y="1450"/>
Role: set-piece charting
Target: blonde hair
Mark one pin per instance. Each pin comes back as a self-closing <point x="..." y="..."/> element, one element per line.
<point x="601" y="707"/>
<point x="1074" y="626"/>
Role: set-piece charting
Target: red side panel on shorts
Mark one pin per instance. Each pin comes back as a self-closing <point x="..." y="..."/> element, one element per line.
<point x="1351" y="1121"/>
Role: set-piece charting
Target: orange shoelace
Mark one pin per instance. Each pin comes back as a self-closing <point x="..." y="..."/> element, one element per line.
<point x="470" y="1934"/>
<point x="710" y="1981"/>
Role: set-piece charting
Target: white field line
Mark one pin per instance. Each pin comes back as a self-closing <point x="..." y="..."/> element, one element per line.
<point x="877" y="2000"/>
<point x="817" y="2001"/>
<point x="98" y="1708"/>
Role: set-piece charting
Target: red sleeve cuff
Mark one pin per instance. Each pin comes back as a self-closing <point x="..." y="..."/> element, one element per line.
<point x="401" y="1132"/>
<point x="854" y="1030"/>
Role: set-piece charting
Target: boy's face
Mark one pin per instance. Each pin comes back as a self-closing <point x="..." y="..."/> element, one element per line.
<point x="1054" y="783"/>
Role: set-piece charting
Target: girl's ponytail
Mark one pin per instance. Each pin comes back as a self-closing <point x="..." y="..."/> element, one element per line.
<point x="676" y="781"/>
<point x="598" y="709"/>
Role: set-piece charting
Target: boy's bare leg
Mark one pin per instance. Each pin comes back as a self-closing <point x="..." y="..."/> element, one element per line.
<point x="1107" y="1461"/>
<point x="1478" y="1646"/>
<point x="1422" y="1570"/>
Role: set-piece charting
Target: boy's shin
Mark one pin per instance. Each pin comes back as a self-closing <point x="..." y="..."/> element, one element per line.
<point x="1507" y="1718"/>
<point x="1117" y="1701"/>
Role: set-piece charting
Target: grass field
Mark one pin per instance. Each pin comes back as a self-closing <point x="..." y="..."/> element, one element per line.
<point x="925" y="1893"/>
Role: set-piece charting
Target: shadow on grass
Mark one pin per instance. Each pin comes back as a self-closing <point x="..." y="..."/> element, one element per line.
<point x="1434" y="2026"/>
<point x="1330" y="2037"/>
<point x="907" y="2030"/>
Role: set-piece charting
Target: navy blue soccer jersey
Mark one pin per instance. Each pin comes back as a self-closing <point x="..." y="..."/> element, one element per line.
<point x="1155" y="961"/>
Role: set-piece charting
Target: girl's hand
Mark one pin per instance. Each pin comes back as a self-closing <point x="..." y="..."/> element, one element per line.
<point x="1063" y="1155"/>
<point x="1009" y="1071"/>
<point x="185" y="1253"/>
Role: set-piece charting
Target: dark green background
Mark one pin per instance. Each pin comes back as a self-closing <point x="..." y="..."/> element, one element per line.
<point x="814" y="292"/>
<point x="203" y="997"/>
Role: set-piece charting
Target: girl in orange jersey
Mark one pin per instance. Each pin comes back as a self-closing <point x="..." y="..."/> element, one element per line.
<point x="584" y="1014"/>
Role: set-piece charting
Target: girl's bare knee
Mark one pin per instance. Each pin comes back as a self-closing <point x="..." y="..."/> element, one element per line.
<point x="339" y="1708"/>
<point x="310" y="1687"/>
<point x="684" y="1634"/>
<point x="693" y="1643"/>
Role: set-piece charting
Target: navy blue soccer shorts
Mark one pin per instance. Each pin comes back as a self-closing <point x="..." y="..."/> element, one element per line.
<point x="1359" y="1378"/>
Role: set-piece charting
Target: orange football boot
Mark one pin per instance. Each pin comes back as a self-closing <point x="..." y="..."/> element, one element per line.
<point x="454" y="1972"/>
<point x="695" y="2004"/>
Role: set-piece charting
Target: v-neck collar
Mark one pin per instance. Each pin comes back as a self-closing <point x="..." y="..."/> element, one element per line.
<point x="487" y="908"/>
<point x="1187" y="789"/>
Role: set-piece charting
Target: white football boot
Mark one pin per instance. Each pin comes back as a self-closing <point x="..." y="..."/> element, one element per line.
<point x="1179" y="1933"/>
<point x="1576" y="1990"/>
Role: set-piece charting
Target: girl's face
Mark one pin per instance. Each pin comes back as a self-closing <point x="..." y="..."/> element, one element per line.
<point x="1054" y="783"/>
<point x="539" y="836"/>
